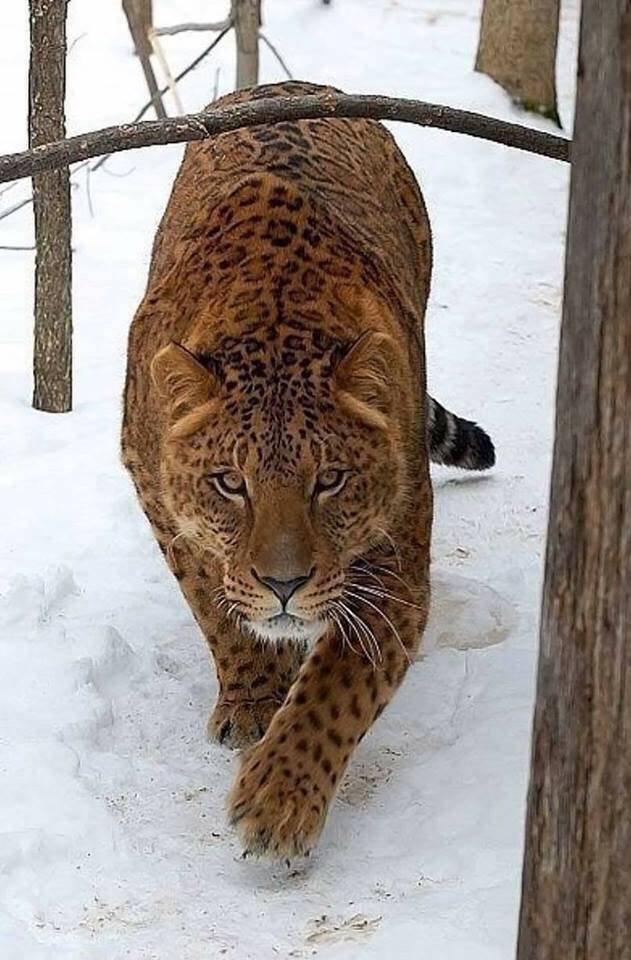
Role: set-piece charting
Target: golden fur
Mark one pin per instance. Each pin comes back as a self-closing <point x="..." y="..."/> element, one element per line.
<point x="275" y="429"/>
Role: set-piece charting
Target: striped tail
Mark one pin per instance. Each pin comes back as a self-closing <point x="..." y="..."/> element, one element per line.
<point x="456" y="442"/>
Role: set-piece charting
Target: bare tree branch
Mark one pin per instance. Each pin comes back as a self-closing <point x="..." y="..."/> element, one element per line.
<point x="268" y="43"/>
<point x="143" y="15"/>
<point x="8" y="187"/>
<point x="16" y="206"/>
<point x="135" y="12"/>
<point x="27" y="201"/>
<point x="217" y="27"/>
<point x="217" y="120"/>
<point x="195" y="63"/>
<point x="171" y="84"/>
<point x="183" y="73"/>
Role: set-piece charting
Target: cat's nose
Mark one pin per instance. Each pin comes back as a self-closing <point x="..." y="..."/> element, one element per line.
<point x="283" y="589"/>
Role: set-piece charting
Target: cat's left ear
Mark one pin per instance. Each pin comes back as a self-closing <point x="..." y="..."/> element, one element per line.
<point x="366" y="371"/>
<point x="182" y="380"/>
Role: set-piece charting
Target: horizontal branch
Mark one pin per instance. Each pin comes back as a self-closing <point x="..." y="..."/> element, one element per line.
<point x="192" y="27"/>
<point x="217" y="120"/>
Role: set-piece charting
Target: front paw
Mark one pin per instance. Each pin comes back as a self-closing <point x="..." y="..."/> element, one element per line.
<point x="277" y="809"/>
<point x="239" y="724"/>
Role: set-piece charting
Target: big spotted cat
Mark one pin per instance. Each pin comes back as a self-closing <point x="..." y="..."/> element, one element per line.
<point x="278" y="434"/>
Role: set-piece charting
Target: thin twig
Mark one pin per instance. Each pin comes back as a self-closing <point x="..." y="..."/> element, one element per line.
<point x="218" y="27"/>
<point x="268" y="43"/>
<point x="143" y="47"/>
<point x="8" y="187"/>
<point x="216" y="84"/>
<point x="76" y="41"/>
<point x="194" y="63"/>
<point x="88" y="192"/>
<point x="28" y="200"/>
<point x="156" y="46"/>
<point x="113" y="173"/>
<point x="16" y="206"/>
<point x="270" y="110"/>
<point x="3" y="247"/>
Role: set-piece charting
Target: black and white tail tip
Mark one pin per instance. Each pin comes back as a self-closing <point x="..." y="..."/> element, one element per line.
<point x="456" y="442"/>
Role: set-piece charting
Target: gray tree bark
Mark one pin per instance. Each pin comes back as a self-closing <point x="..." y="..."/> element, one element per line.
<point x="137" y="14"/>
<point x="145" y="19"/>
<point x="576" y="902"/>
<point x="246" y="16"/>
<point x="517" y="48"/>
<point x="52" y="355"/>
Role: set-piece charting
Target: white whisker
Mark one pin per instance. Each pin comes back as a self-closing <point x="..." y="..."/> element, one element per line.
<point x="368" y="573"/>
<point x="369" y="603"/>
<point x="345" y="638"/>
<point x="388" y="572"/>
<point x="360" y="641"/>
<point x="367" y="632"/>
<point x="384" y="594"/>
<point x="343" y="613"/>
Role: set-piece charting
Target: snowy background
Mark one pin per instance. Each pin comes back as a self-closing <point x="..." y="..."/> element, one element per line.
<point x="113" y="841"/>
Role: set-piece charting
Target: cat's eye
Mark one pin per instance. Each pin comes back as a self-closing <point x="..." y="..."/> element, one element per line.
<point x="331" y="480"/>
<point x="229" y="483"/>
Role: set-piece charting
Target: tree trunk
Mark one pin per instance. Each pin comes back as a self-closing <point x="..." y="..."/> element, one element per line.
<point x="247" y="20"/>
<point x="136" y="13"/>
<point x="517" y="48"/>
<point x="576" y="901"/>
<point x="52" y="355"/>
<point x="141" y="11"/>
<point x="145" y="22"/>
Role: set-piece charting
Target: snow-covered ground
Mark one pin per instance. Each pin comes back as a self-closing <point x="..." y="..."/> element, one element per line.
<point x="113" y="841"/>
